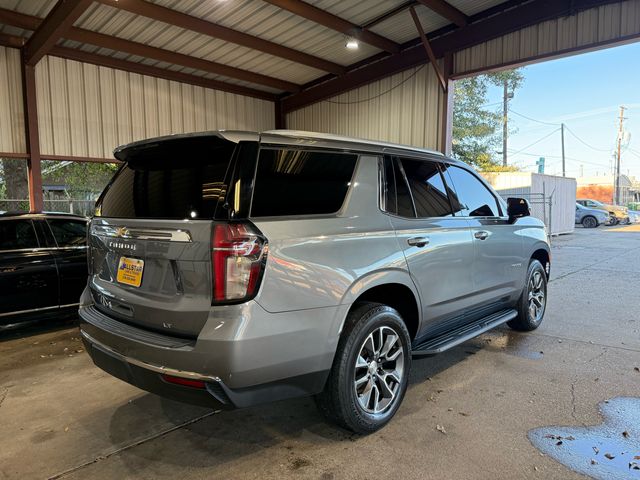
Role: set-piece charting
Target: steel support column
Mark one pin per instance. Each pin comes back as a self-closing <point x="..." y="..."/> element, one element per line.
<point x="281" y="117"/>
<point x="446" y="119"/>
<point x="34" y="171"/>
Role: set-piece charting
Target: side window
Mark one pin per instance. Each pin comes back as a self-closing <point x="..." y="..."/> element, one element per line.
<point x="297" y="182"/>
<point x="427" y="188"/>
<point x="17" y="234"/>
<point x="389" y="187"/>
<point x="405" y="203"/>
<point x="68" y="233"/>
<point x="469" y="197"/>
<point x="45" y="237"/>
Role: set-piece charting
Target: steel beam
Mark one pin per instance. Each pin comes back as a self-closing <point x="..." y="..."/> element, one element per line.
<point x="53" y="27"/>
<point x="188" y="22"/>
<point x="427" y="47"/>
<point x="11" y="41"/>
<point x="446" y="10"/>
<point x="34" y="171"/>
<point x="142" y="69"/>
<point x="511" y="16"/>
<point x="446" y="120"/>
<point x="326" y="19"/>
<point x="28" y="22"/>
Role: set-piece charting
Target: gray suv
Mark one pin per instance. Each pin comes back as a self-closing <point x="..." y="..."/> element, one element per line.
<point x="233" y="268"/>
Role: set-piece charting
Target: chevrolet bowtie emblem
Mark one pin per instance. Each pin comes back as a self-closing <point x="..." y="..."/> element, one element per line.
<point x="122" y="232"/>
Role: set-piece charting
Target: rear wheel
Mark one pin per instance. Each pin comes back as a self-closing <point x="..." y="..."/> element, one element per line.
<point x="589" y="222"/>
<point x="533" y="302"/>
<point x="370" y="371"/>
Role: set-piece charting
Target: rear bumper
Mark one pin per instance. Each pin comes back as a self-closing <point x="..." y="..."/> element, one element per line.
<point x="244" y="354"/>
<point x="149" y="377"/>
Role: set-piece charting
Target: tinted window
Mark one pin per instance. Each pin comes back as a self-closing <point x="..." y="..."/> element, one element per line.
<point x="405" y="204"/>
<point x="69" y="233"/>
<point x="427" y="188"/>
<point x="45" y="236"/>
<point x="177" y="179"/>
<point x="469" y="197"/>
<point x="295" y="182"/>
<point x="16" y="234"/>
<point x="389" y="187"/>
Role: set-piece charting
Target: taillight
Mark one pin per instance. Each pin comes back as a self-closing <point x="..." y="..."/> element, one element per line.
<point x="238" y="257"/>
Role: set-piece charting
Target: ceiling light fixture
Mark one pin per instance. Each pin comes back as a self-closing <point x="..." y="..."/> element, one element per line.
<point x="352" y="44"/>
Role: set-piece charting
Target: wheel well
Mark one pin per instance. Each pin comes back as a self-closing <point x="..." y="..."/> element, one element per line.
<point x="543" y="257"/>
<point x="396" y="296"/>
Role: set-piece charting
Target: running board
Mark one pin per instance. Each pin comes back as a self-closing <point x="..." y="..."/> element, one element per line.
<point x="462" y="334"/>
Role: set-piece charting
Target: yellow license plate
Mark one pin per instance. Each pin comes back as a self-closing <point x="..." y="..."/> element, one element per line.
<point x="130" y="271"/>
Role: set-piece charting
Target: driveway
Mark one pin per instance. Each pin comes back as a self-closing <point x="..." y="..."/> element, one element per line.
<point x="472" y="412"/>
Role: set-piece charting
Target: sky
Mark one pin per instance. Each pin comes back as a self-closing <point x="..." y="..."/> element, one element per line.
<point x="585" y="93"/>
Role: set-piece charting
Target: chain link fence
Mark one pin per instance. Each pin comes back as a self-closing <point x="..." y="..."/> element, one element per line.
<point x="68" y="205"/>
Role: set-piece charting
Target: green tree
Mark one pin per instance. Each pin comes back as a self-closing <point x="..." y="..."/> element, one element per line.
<point x="82" y="180"/>
<point x="477" y="127"/>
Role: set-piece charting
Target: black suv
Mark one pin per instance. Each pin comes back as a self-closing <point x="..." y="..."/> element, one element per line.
<point x="43" y="264"/>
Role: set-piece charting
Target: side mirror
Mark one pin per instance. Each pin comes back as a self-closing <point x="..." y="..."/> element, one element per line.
<point x="517" y="208"/>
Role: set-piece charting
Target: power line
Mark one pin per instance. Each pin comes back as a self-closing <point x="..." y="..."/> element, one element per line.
<point x="586" y="144"/>
<point x="574" y="159"/>
<point x="534" y="120"/>
<point x="536" y="142"/>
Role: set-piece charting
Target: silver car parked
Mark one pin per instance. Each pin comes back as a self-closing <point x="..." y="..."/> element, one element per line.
<point x="233" y="268"/>
<point x="592" y="217"/>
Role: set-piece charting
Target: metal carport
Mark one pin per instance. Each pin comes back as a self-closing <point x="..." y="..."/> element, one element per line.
<point x="78" y="77"/>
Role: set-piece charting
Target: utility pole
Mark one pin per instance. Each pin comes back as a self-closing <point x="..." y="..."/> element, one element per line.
<point x="564" y="172"/>
<point x="505" y="120"/>
<point x="620" y="137"/>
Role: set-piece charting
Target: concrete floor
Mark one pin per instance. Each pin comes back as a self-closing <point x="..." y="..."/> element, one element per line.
<point x="61" y="417"/>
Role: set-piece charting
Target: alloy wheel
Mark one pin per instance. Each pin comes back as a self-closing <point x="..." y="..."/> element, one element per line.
<point x="379" y="370"/>
<point x="537" y="295"/>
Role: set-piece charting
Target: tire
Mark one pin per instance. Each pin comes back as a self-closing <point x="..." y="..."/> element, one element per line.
<point x="346" y="402"/>
<point x="533" y="301"/>
<point x="589" y="222"/>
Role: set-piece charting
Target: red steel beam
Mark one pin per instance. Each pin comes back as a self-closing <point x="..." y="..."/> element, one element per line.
<point x="336" y="23"/>
<point x="28" y="22"/>
<point x="34" y="171"/>
<point x="427" y="47"/>
<point x="446" y="10"/>
<point x="513" y="15"/>
<point x="142" y="69"/>
<point x="188" y="22"/>
<point x="53" y="27"/>
<point x="12" y="41"/>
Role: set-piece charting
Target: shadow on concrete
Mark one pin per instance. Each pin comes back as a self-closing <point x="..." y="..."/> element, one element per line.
<point x="231" y="435"/>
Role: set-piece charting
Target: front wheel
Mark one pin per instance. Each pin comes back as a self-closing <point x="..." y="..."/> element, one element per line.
<point x="589" y="222"/>
<point x="370" y="371"/>
<point x="533" y="302"/>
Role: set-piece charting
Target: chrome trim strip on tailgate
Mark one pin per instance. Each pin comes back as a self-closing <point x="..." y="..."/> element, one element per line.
<point x="114" y="231"/>
<point x="155" y="368"/>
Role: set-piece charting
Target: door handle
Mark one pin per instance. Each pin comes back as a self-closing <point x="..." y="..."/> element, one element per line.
<point x="418" y="241"/>
<point x="482" y="235"/>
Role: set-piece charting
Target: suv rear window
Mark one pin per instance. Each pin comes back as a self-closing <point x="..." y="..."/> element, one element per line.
<point x="297" y="182"/>
<point x="171" y="178"/>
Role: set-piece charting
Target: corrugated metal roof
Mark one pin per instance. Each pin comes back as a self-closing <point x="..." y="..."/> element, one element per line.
<point x="253" y="17"/>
